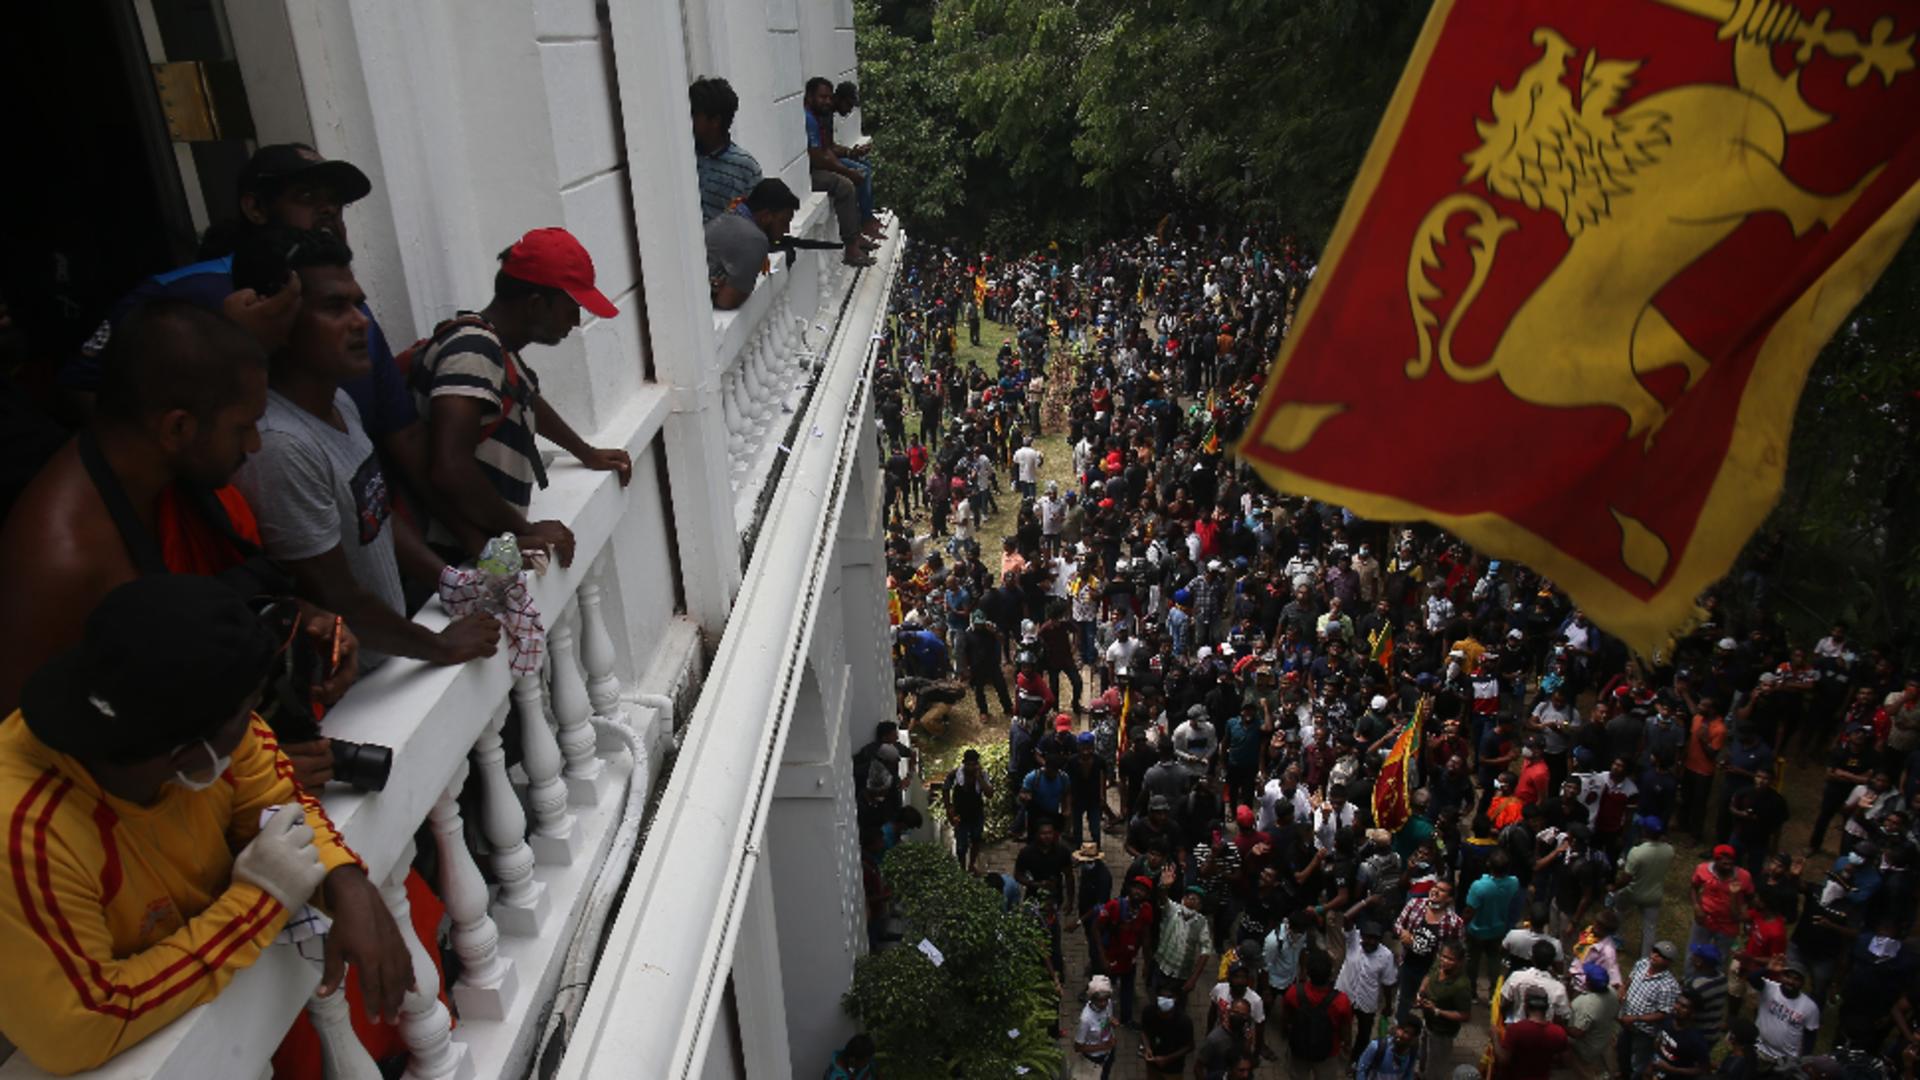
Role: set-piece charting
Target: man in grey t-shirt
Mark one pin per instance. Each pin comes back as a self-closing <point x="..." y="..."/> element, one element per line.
<point x="315" y="485"/>
<point x="739" y="241"/>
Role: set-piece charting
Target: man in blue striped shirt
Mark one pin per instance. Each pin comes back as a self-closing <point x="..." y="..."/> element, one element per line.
<point x="727" y="172"/>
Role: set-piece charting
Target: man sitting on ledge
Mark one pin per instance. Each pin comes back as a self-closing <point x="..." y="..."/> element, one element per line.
<point x="142" y="879"/>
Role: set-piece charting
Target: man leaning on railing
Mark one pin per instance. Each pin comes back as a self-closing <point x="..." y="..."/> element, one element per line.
<point x="156" y="843"/>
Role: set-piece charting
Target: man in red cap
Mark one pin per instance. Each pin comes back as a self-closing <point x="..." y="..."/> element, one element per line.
<point x="1721" y="892"/>
<point x="483" y="402"/>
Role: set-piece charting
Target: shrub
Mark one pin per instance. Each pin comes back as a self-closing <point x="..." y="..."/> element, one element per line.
<point x="952" y="1020"/>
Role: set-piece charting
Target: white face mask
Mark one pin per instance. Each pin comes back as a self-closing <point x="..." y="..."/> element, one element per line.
<point x="1165" y="1003"/>
<point x="220" y="764"/>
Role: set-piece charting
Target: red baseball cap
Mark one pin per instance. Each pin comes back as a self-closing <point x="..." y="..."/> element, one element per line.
<point x="552" y="257"/>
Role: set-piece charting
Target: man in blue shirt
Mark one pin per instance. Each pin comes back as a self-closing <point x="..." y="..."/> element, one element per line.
<point x="840" y="181"/>
<point x="926" y="653"/>
<point x="1489" y="916"/>
<point x="286" y="184"/>
<point x="1044" y="791"/>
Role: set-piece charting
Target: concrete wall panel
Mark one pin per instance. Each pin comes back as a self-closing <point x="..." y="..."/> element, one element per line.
<point x="580" y="105"/>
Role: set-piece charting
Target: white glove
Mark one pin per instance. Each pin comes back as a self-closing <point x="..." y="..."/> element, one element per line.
<point x="282" y="860"/>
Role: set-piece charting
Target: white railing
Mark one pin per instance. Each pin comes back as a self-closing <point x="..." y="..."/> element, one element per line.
<point x="767" y="352"/>
<point x="652" y="1008"/>
<point x="543" y="829"/>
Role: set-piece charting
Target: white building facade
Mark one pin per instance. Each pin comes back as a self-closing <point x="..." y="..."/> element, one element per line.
<point x="666" y="884"/>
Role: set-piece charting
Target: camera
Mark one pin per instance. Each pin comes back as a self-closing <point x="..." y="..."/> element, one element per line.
<point x="361" y="766"/>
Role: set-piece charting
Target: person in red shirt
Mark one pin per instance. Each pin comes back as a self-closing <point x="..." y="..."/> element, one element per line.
<point x="916" y="474"/>
<point x="1316" y="1017"/>
<point x="1120" y="929"/>
<point x="1535" y="778"/>
<point x="1721" y="892"/>
<point x="1528" y="1048"/>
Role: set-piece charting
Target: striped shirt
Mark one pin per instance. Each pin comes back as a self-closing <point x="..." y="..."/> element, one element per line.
<point x="727" y="174"/>
<point x="470" y="362"/>
<point x="1710" y="1018"/>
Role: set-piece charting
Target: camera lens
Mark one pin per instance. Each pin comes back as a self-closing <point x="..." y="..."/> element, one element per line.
<point x="362" y="766"/>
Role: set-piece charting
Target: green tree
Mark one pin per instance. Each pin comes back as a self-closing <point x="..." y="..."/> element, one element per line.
<point x="984" y="1011"/>
<point x="907" y="106"/>
<point x="1845" y="540"/>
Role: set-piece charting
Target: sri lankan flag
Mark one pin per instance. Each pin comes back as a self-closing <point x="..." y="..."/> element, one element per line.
<point x="1393" y="789"/>
<point x="1381" y="644"/>
<point x="1615" y="235"/>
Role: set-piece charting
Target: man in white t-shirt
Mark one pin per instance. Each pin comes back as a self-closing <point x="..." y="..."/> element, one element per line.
<point x="1367" y="977"/>
<point x="1026" y="467"/>
<point x="1788" y="1018"/>
<point x="1284" y="788"/>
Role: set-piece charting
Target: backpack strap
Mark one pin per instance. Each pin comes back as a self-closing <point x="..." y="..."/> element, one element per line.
<point x="142" y="548"/>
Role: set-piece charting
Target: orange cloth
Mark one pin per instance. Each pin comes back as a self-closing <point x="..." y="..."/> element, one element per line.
<point x="299" y="1055"/>
<point x="190" y="545"/>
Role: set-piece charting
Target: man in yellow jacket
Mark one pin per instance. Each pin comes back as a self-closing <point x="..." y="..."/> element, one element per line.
<point x="140" y="876"/>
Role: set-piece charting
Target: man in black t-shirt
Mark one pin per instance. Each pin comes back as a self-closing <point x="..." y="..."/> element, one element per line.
<point x="1849" y="765"/>
<point x="1044" y="864"/>
<point x="1758" y="812"/>
<point x="967" y="790"/>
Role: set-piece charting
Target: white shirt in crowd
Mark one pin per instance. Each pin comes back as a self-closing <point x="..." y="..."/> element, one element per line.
<point x="1026" y="464"/>
<point x="1364" y="974"/>
<point x="1782" y="1020"/>
<point x="1328" y="820"/>
<point x="1096" y="1025"/>
<point x="1193" y="741"/>
<point x="1064" y="570"/>
<point x="1270" y="798"/>
<point x="1053" y="513"/>
<point x="1223" y="997"/>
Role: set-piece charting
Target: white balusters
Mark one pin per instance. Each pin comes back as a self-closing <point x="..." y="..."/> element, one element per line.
<point x="487" y="982"/>
<point x="752" y="365"/>
<point x="571" y="707"/>
<point x="596" y="652"/>
<point x="730" y="412"/>
<point x="425" y="1023"/>
<point x="341" y="1055"/>
<point x="554" y="838"/>
<point x="521" y="903"/>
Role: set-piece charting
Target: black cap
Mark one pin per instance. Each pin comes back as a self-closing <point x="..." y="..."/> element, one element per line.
<point x="272" y="167"/>
<point x="163" y="661"/>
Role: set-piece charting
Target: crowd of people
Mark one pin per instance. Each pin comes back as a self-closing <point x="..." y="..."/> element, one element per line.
<point x="1586" y="873"/>
<point x="258" y="495"/>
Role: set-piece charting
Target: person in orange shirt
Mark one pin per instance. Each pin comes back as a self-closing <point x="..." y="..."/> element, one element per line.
<point x="1706" y="740"/>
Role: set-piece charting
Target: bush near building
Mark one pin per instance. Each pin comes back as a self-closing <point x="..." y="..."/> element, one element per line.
<point x="986" y="1010"/>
